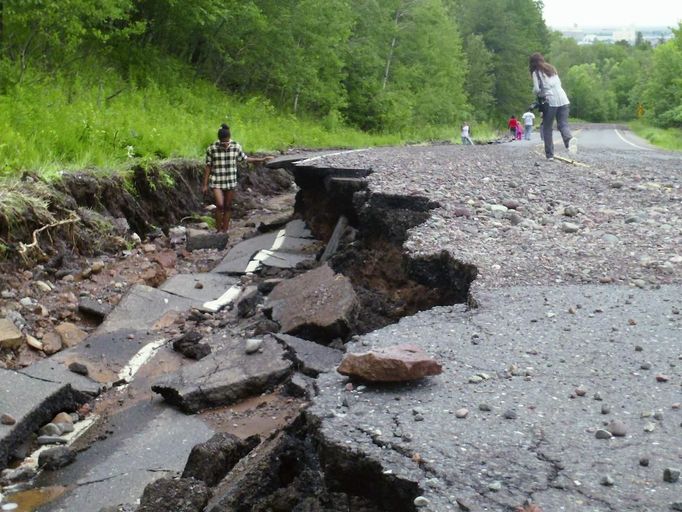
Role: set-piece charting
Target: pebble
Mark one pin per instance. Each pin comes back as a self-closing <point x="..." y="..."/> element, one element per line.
<point x="581" y="391"/>
<point x="644" y="461"/>
<point x="671" y="475"/>
<point x="676" y="505"/>
<point x="484" y="407"/>
<point x="510" y="414"/>
<point x="253" y="344"/>
<point x="603" y="434"/>
<point x="78" y="368"/>
<point x="50" y="430"/>
<point x="14" y="506"/>
<point x="421" y="501"/>
<point x="605" y="409"/>
<point x="662" y="378"/>
<point x="676" y="405"/>
<point x="475" y="379"/>
<point x="462" y="413"/>
<point x="638" y="348"/>
<point x="51" y="440"/>
<point x="617" y="428"/>
<point x="495" y="486"/>
<point x="649" y="427"/>
<point x="645" y="366"/>
<point x="7" y="419"/>
<point x="607" y="481"/>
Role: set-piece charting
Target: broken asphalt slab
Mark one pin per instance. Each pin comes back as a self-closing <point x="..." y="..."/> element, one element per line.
<point x="225" y="376"/>
<point x="31" y="402"/>
<point x="142" y="307"/>
<point x="310" y="358"/>
<point x="201" y="287"/>
<point x="144" y="442"/>
<point x="522" y="394"/>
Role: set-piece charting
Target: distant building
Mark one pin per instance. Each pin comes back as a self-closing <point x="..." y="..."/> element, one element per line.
<point x="591" y="35"/>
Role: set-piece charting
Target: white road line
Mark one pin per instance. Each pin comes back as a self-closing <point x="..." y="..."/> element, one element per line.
<point x="227" y="297"/>
<point x="279" y="240"/>
<point x="628" y="142"/>
<point x="139" y="359"/>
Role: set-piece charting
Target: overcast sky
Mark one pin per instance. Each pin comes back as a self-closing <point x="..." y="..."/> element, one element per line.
<point x="566" y="13"/>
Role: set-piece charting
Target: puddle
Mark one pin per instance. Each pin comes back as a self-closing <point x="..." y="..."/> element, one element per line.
<point x="30" y="500"/>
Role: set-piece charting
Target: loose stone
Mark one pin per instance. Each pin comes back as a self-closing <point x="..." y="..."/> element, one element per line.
<point x="662" y="378"/>
<point x="78" y="368"/>
<point x="495" y="486"/>
<point x="645" y="366"/>
<point x="484" y="407"/>
<point x="581" y="391"/>
<point x="649" y="427"/>
<point x="253" y="344"/>
<point x="510" y="414"/>
<point x="603" y="434"/>
<point x="605" y="409"/>
<point x="644" y="461"/>
<point x="607" y="481"/>
<point x="421" y="501"/>
<point x="462" y="413"/>
<point x="51" y="440"/>
<point x="617" y="428"/>
<point x="7" y="419"/>
<point x="671" y="475"/>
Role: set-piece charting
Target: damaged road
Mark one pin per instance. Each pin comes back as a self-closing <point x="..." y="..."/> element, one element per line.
<point x="550" y="297"/>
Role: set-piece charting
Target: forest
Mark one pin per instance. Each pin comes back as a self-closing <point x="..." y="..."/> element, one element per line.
<point x="96" y="82"/>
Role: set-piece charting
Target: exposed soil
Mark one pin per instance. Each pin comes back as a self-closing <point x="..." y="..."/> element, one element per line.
<point x="102" y="255"/>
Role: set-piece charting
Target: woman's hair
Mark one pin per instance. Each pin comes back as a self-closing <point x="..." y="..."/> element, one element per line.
<point x="537" y="62"/>
<point x="224" y="132"/>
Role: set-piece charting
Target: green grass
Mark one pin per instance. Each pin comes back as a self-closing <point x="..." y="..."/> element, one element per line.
<point x="666" y="138"/>
<point x="92" y="118"/>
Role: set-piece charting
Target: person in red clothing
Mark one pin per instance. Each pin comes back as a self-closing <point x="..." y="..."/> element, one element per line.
<point x="513" y="125"/>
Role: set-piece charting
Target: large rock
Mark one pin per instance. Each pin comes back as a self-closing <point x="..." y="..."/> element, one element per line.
<point x="225" y="377"/>
<point x="318" y="304"/>
<point x="70" y="334"/>
<point x="309" y="357"/>
<point x="212" y="460"/>
<point x="10" y="336"/>
<point x="392" y="364"/>
<point x="183" y="495"/>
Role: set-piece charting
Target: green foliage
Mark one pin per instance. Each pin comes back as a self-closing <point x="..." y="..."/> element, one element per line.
<point x="663" y="91"/>
<point x="590" y="100"/>
<point x="667" y="138"/>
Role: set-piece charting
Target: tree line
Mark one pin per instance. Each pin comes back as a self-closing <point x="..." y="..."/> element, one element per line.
<point x="378" y="65"/>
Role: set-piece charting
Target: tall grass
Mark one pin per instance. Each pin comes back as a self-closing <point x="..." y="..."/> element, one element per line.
<point x="666" y="138"/>
<point x="93" y="118"/>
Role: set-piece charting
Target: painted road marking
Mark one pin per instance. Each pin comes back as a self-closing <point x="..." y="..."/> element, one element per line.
<point x="631" y="143"/>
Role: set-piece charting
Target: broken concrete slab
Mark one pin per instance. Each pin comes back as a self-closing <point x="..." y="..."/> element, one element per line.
<point x="302" y="386"/>
<point x="141" y="307"/>
<point x="10" y="335"/>
<point x="309" y="357"/>
<point x="225" y="376"/>
<point x="318" y="304"/>
<point x="202" y="287"/>
<point x="32" y="402"/>
<point x="238" y="257"/>
<point x="201" y="239"/>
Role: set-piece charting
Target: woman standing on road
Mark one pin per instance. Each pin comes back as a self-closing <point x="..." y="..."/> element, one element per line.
<point x="547" y="86"/>
<point x="221" y="167"/>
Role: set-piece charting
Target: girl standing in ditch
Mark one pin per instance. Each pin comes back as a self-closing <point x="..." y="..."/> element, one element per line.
<point x="221" y="174"/>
